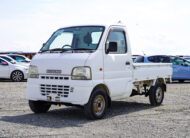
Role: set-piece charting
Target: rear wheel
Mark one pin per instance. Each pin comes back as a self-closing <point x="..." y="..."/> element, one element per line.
<point x="39" y="106"/>
<point x="156" y="94"/>
<point x="97" y="105"/>
<point x="17" y="76"/>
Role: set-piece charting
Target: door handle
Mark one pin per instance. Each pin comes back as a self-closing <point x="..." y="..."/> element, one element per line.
<point x="127" y="63"/>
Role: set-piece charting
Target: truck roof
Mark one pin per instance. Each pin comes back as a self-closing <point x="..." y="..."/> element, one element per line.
<point x="106" y="25"/>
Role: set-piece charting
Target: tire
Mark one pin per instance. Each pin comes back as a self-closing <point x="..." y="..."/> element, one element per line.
<point x="17" y="76"/>
<point x="181" y="81"/>
<point x="39" y="106"/>
<point x="97" y="104"/>
<point x="156" y="94"/>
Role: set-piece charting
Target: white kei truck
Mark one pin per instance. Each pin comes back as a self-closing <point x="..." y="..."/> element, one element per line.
<point x="90" y="66"/>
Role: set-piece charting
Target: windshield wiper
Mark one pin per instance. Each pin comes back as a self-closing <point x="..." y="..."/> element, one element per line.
<point x="56" y="49"/>
<point x="82" y="49"/>
<point x="64" y="50"/>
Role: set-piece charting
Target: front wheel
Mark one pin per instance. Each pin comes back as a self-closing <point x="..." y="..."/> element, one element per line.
<point x="97" y="105"/>
<point x="17" y="76"/>
<point x="39" y="106"/>
<point x="156" y="94"/>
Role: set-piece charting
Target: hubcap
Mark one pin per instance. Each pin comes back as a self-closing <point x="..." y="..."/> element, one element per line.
<point x="159" y="94"/>
<point x="99" y="104"/>
<point x="17" y="76"/>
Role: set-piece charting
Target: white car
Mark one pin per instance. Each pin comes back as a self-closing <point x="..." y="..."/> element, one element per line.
<point x="10" y="59"/>
<point x="12" y="71"/>
<point x="20" y="59"/>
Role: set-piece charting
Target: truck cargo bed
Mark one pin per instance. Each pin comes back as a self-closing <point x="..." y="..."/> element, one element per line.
<point x="150" y="71"/>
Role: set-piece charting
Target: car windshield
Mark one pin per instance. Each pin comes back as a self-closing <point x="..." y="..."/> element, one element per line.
<point x="74" y="38"/>
<point x="8" y="59"/>
<point x="18" y="58"/>
<point x="179" y="61"/>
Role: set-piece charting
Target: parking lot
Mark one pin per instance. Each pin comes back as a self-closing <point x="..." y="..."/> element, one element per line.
<point x="132" y="117"/>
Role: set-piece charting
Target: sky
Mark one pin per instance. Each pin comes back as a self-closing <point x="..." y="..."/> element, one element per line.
<point x="154" y="26"/>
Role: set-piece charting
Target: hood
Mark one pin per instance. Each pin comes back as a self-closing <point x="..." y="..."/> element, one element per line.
<point x="59" y="61"/>
<point x="24" y="64"/>
<point x="19" y="66"/>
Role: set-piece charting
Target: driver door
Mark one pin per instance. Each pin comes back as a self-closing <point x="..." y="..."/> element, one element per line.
<point x="118" y="65"/>
<point x="179" y="70"/>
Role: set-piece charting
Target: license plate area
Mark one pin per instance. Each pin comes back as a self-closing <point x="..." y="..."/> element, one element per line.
<point x="53" y="98"/>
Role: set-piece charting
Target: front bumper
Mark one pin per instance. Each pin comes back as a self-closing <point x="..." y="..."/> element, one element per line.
<point x="61" y="91"/>
<point x="25" y="74"/>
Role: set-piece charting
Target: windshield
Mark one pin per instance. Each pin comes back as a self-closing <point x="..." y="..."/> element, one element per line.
<point x="8" y="59"/>
<point x="75" y="38"/>
<point x="18" y="58"/>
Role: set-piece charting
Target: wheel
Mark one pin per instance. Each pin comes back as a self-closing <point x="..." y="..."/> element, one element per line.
<point x="17" y="76"/>
<point x="156" y="94"/>
<point x="97" y="104"/>
<point x="181" y="81"/>
<point x="39" y="106"/>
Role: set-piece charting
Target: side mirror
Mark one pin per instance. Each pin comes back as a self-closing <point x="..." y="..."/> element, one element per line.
<point x="27" y="60"/>
<point x="4" y="64"/>
<point x="112" y="47"/>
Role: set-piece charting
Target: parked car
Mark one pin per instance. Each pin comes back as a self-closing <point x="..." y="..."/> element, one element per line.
<point x="13" y="71"/>
<point x="181" y="67"/>
<point x="186" y="57"/>
<point x="9" y="59"/>
<point x="20" y="59"/>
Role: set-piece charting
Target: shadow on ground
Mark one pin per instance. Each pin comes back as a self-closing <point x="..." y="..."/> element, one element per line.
<point x="72" y="116"/>
<point x="8" y="80"/>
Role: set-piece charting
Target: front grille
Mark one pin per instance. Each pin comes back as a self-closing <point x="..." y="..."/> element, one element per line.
<point x="60" y="90"/>
<point x="54" y="77"/>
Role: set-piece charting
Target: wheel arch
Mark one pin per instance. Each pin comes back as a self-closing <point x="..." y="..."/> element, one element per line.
<point x="163" y="82"/>
<point x="103" y="86"/>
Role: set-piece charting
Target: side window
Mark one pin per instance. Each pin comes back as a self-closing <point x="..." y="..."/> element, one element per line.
<point x="165" y="60"/>
<point x="159" y="59"/>
<point x="7" y="59"/>
<point x="2" y="61"/>
<point x="139" y="59"/>
<point x="187" y="63"/>
<point x="14" y="57"/>
<point x="177" y="61"/>
<point x="153" y="59"/>
<point x="20" y="59"/>
<point x="119" y="37"/>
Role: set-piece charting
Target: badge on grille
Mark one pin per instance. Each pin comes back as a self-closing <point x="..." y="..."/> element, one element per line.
<point x="53" y="71"/>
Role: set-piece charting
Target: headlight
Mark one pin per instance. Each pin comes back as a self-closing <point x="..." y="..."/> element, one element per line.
<point x="33" y="72"/>
<point x="81" y="73"/>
